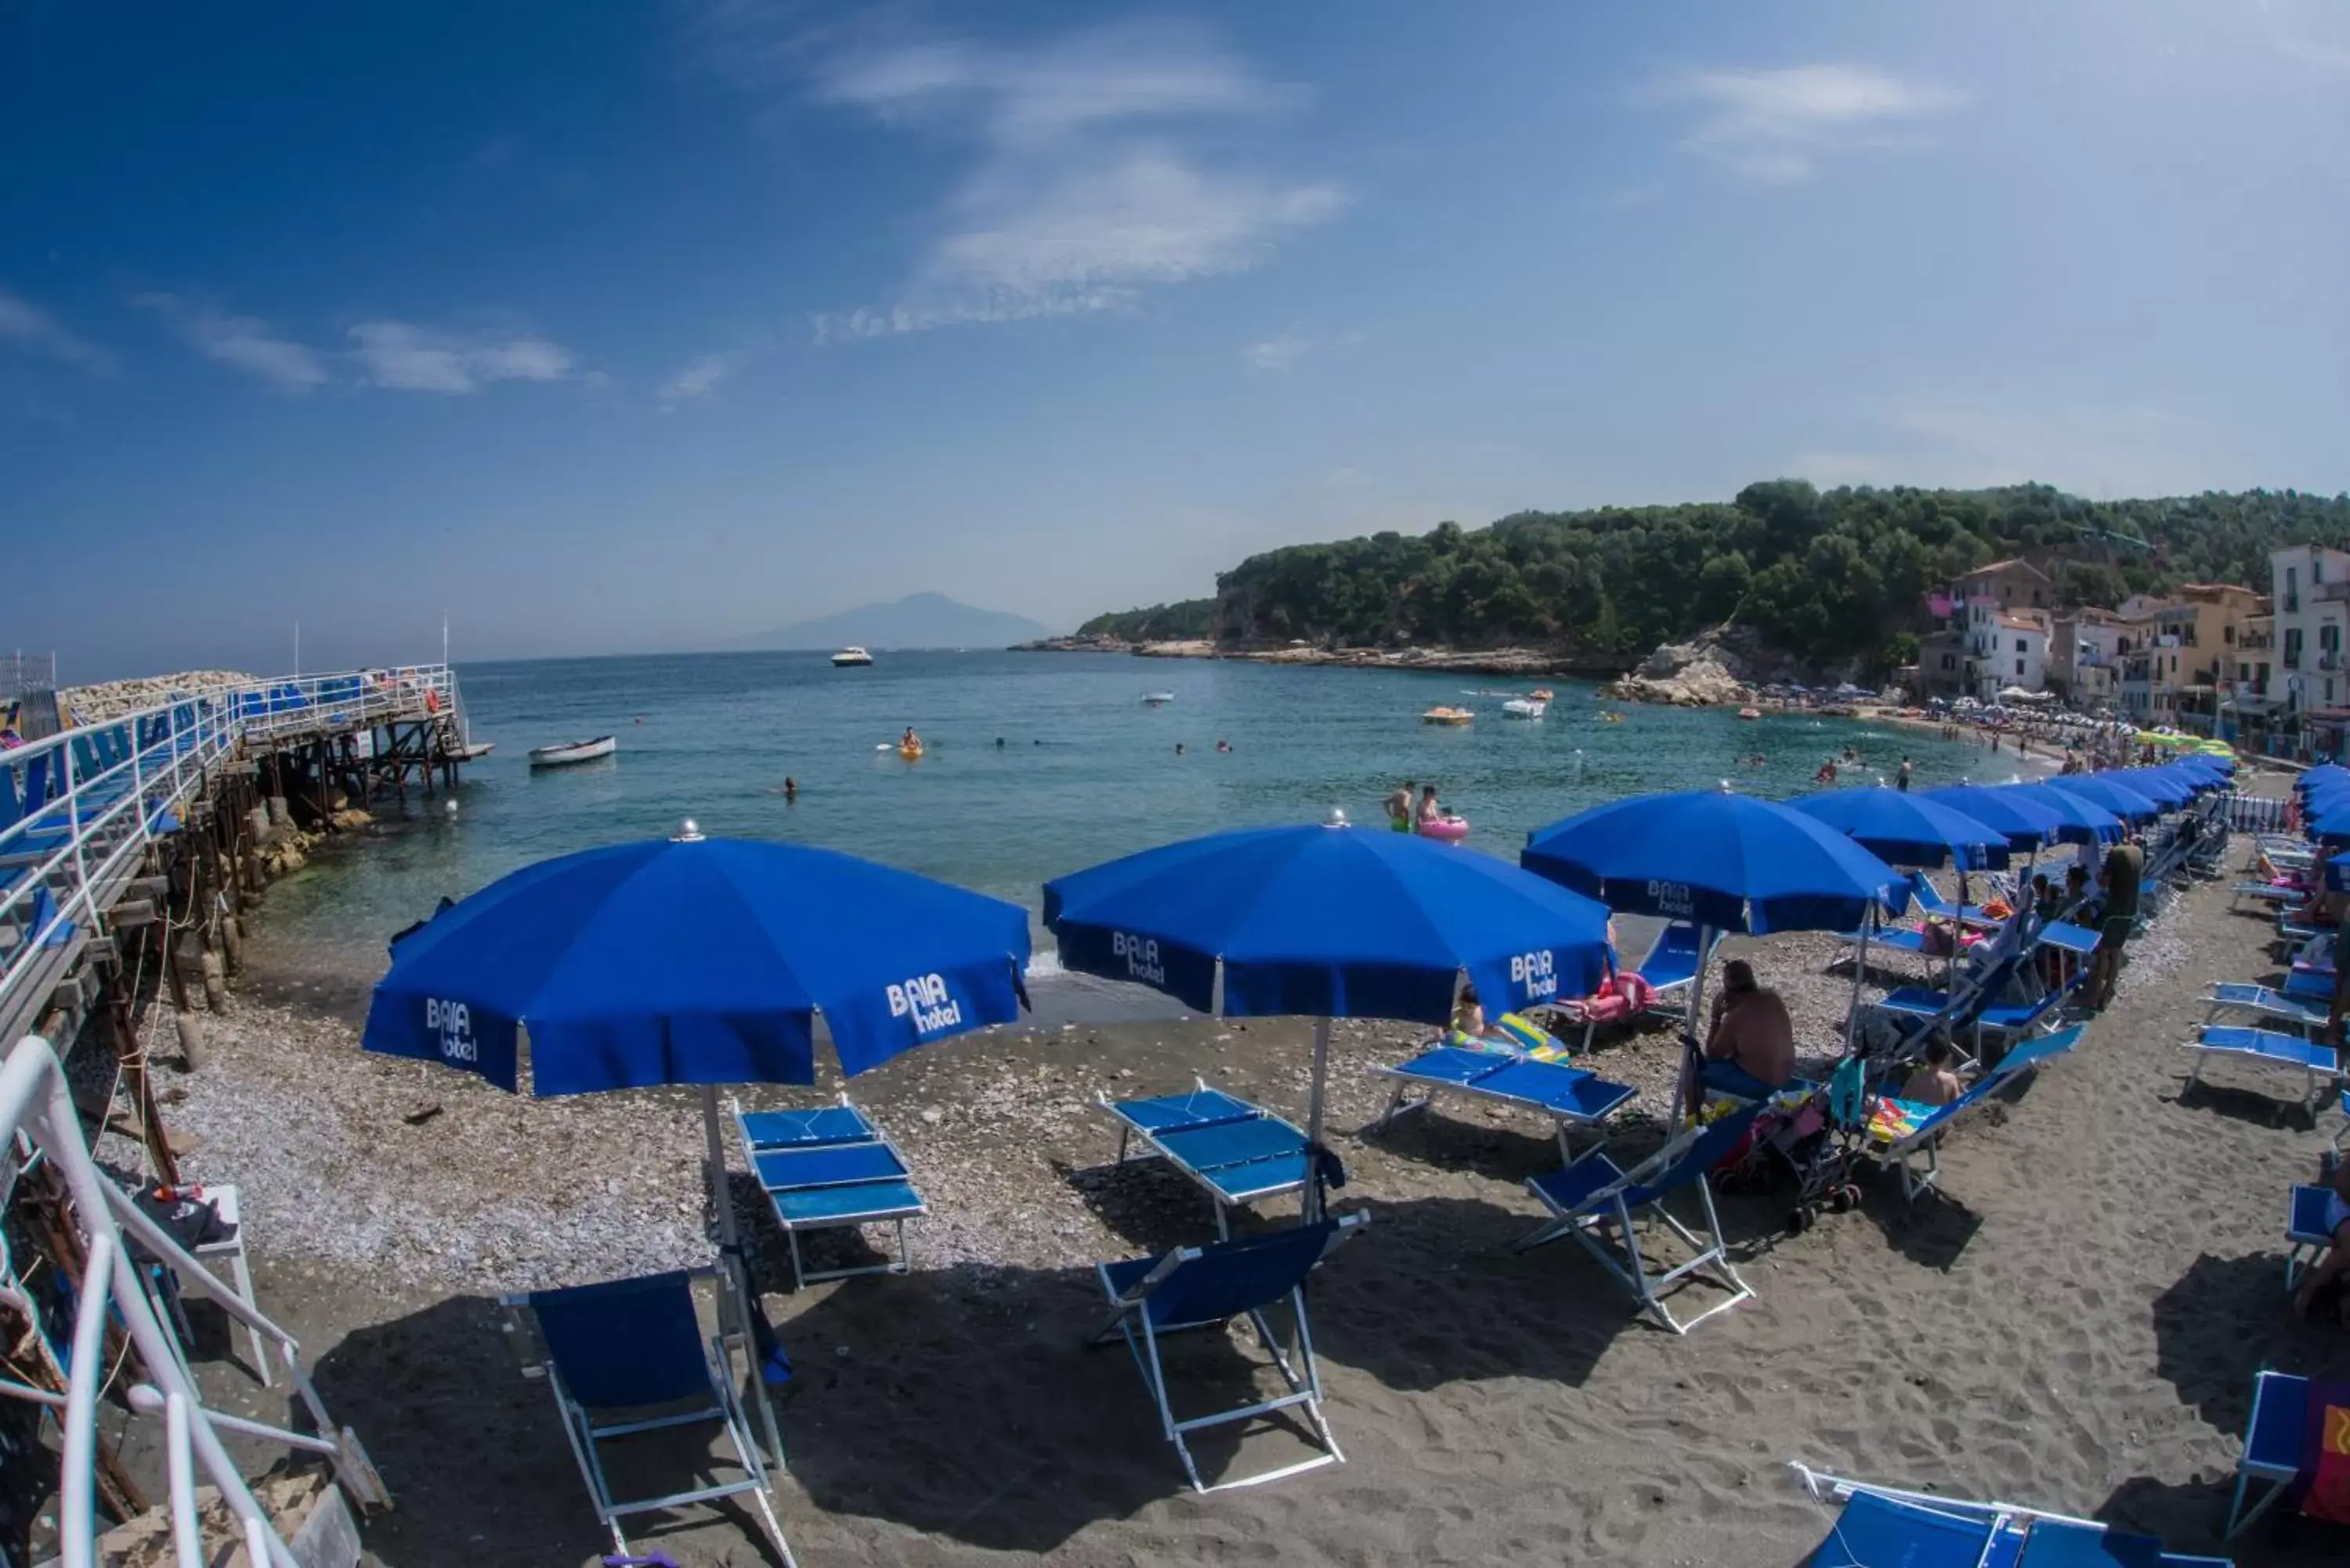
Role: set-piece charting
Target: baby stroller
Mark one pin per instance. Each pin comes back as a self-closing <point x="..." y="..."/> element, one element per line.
<point x="1812" y="1135"/>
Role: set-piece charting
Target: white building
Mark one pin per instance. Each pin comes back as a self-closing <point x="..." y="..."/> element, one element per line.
<point x="2310" y="590"/>
<point x="2015" y="653"/>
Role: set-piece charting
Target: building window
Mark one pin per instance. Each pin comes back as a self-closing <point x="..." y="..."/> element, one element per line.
<point x="2019" y="667"/>
<point x="2293" y="589"/>
<point x="2019" y="645"/>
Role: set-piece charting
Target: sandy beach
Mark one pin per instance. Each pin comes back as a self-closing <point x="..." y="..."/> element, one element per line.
<point x="2074" y="1323"/>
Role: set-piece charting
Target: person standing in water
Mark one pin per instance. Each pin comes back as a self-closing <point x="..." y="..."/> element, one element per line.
<point x="1397" y="807"/>
<point x="1901" y="779"/>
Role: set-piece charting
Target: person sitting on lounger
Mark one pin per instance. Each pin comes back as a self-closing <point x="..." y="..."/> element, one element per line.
<point x="1933" y="1084"/>
<point x="2335" y="1264"/>
<point x="1468" y="1013"/>
<point x="1750" y="1051"/>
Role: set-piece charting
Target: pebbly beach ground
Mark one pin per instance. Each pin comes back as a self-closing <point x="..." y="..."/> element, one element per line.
<point x="2073" y="1323"/>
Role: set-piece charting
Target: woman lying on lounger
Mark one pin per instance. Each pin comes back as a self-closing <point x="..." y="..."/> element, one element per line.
<point x="2325" y="1281"/>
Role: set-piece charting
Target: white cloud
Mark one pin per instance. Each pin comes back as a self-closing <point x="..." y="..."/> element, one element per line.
<point x="242" y="342"/>
<point x="26" y="323"/>
<point x="1083" y="190"/>
<point x="1773" y="127"/>
<point x="411" y="359"/>
<point x="1279" y="353"/>
<point x="699" y="378"/>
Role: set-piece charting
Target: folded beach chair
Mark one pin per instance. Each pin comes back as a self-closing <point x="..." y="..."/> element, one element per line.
<point x="2274" y="1447"/>
<point x="1599" y="1203"/>
<point x="1237" y="1153"/>
<point x="2262" y="1002"/>
<point x="2306" y="1238"/>
<point x="1570" y="1096"/>
<point x="628" y="1358"/>
<point x="1919" y="1011"/>
<point x="1207" y="1287"/>
<point x="1893" y="940"/>
<point x="1908" y="1136"/>
<point x="1881" y="1527"/>
<point x="2317" y="1063"/>
<point x="826" y="1169"/>
<point x="1670" y="966"/>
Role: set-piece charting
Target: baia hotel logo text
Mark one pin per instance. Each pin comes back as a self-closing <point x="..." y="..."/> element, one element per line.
<point x="1534" y="974"/>
<point x="924" y="999"/>
<point x="1141" y="956"/>
<point x="1671" y="898"/>
<point x="454" y="1022"/>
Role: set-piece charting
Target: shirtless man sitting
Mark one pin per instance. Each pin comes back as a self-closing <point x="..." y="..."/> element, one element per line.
<point x="1750" y="1051"/>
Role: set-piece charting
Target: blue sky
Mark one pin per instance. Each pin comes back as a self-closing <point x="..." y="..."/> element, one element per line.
<point x="641" y="327"/>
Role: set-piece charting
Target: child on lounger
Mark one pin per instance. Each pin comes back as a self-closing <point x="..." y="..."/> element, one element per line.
<point x="1933" y="1084"/>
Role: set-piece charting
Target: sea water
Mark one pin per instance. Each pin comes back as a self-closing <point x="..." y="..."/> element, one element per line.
<point x="1036" y="764"/>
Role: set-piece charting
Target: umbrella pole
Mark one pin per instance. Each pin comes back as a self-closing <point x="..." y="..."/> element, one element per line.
<point x="1860" y="971"/>
<point x="1696" y="1093"/>
<point x="1314" y="1122"/>
<point x="736" y="1286"/>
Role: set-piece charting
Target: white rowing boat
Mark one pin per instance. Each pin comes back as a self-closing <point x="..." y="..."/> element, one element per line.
<point x="573" y="751"/>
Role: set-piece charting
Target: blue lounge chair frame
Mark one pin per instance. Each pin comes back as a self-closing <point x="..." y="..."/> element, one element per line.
<point x="1600" y="1204"/>
<point x="630" y="1349"/>
<point x="1670" y="966"/>
<point x="2022" y="1020"/>
<point x="830" y="1169"/>
<point x="1881" y="1526"/>
<point x="1206" y="1287"/>
<point x="2273" y="1438"/>
<point x="2265" y="893"/>
<point x="2262" y="1001"/>
<point x="1239" y="1154"/>
<point x="2319" y="1065"/>
<point x="1931" y="902"/>
<point x="2306" y="1239"/>
<point x="1918" y="1158"/>
<point x="1571" y="1096"/>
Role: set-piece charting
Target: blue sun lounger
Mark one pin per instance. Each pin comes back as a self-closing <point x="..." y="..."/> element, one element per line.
<point x="1237" y="1153"/>
<point x="1670" y="966"/>
<point x="1600" y="1204"/>
<point x="1931" y="902"/>
<point x="2269" y="1048"/>
<point x="1881" y="1527"/>
<point x="2262" y="1002"/>
<point x="634" y="1350"/>
<point x="2305" y="1235"/>
<point x="827" y="1170"/>
<point x="2018" y="1019"/>
<point x="1916" y="1155"/>
<point x="1207" y="1287"/>
<point x="2273" y="1440"/>
<point x="1570" y="1096"/>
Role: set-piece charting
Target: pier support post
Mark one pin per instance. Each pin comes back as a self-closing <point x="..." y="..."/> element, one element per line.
<point x="113" y="1020"/>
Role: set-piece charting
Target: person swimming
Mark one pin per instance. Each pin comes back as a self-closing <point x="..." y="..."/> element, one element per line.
<point x="909" y="742"/>
<point x="1179" y="748"/>
<point x="791" y="789"/>
<point x="1223" y="745"/>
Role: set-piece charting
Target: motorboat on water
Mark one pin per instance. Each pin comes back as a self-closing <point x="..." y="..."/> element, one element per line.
<point x="1444" y="715"/>
<point x="850" y="658"/>
<point x="571" y="752"/>
<point x="1525" y="708"/>
<point x="1156" y="699"/>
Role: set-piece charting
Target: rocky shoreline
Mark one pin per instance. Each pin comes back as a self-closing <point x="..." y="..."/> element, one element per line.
<point x="1455" y="660"/>
<point x="112" y="699"/>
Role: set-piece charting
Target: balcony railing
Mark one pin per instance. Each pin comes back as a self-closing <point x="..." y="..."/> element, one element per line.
<point x="2291" y="658"/>
<point x="2329" y="658"/>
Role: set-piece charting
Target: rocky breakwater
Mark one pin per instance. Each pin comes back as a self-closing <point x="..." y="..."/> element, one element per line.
<point x="113" y="699"/>
<point x="1703" y="672"/>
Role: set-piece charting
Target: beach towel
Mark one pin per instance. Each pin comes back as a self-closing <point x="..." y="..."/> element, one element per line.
<point x="1891" y="1120"/>
<point x="2322" y="1484"/>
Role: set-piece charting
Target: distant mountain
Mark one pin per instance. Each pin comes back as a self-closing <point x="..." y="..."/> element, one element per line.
<point x="918" y="620"/>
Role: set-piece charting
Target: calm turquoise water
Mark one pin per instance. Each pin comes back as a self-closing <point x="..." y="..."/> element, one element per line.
<point x="1087" y="771"/>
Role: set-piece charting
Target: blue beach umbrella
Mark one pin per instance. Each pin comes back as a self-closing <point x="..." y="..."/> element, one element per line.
<point x="2323" y="773"/>
<point x="1330" y="922"/>
<point x="1904" y="829"/>
<point x="703" y="961"/>
<point x="2083" y="820"/>
<point x="2106" y="790"/>
<point x="1725" y="862"/>
<point x="2158" y="784"/>
<point x="2028" y="823"/>
<point x="694" y="961"/>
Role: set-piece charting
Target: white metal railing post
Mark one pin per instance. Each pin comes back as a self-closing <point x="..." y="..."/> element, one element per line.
<point x="139" y="774"/>
<point x="78" y="1479"/>
<point x="81" y="894"/>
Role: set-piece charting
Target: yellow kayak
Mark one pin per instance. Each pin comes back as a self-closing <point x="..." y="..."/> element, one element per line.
<point x="910" y="753"/>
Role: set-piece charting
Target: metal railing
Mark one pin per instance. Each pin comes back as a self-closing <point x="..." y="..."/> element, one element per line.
<point x="35" y="1100"/>
<point x="78" y="808"/>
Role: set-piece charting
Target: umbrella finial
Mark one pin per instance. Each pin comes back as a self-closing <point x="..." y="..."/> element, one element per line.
<point x="1338" y="817"/>
<point x="687" y="833"/>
